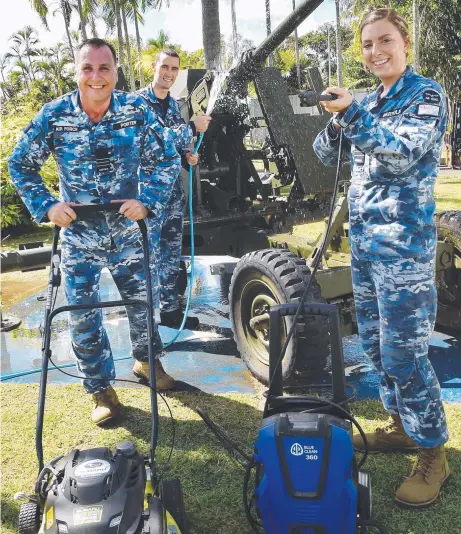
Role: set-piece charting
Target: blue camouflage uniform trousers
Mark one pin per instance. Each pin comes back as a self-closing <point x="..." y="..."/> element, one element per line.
<point x="394" y="143"/>
<point x="167" y="237"/>
<point x="127" y="155"/>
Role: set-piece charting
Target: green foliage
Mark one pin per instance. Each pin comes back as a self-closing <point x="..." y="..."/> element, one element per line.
<point x="18" y="114"/>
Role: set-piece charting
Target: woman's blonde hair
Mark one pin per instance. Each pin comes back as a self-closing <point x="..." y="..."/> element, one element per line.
<point x="392" y="16"/>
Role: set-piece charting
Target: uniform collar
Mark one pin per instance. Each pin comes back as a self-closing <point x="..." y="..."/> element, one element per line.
<point x="398" y="85"/>
<point x="114" y="105"/>
<point x="149" y="92"/>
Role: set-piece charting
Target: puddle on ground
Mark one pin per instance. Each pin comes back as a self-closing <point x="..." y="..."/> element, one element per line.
<point x="206" y="359"/>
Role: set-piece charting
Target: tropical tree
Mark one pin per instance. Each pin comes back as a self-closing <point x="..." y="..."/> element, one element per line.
<point x="211" y="33"/>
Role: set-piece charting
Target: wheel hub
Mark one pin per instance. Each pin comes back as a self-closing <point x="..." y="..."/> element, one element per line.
<point x="259" y="317"/>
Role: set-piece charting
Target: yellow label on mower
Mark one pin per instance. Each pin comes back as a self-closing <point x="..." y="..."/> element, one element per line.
<point x="49" y="518"/>
<point x="172" y="526"/>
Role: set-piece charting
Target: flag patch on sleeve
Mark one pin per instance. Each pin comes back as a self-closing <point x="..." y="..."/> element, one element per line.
<point x="429" y="110"/>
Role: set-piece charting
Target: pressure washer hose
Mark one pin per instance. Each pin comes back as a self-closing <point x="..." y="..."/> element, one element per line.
<point x="192" y="248"/>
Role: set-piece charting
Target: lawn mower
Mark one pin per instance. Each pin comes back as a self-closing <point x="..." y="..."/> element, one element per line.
<point x="100" y="491"/>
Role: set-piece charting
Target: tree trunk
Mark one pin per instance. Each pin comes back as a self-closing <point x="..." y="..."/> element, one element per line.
<point x="119" y="32"/>
<point x="138" y="42"/>
<point x="416" y="35"/>
<point x="82" y="20"/>
<point x="268" y="29"/>
<point x="234" y="31"/>
<point x="128" y="48"/>
<point x="329" y="56"/>
<point x="338" y="45"/>
<point x="298" y="64"/>
<point x="31" y="68"/>
<point x="66" y="24"/>
<point x="211" y="33"/>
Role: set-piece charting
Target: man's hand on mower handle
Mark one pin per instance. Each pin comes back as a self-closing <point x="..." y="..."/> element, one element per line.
<point x="62" y="213"/>
<point x="132" y="209"/>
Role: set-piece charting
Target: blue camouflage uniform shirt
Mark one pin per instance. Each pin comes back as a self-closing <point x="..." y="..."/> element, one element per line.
<point x="126" y="155"/>
<point x="183" y="132"/>
<point x="395" y="143"/>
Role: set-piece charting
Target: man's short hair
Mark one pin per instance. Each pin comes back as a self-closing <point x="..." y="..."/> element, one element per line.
<point x="167" y="52"/>
<point x="95" y="42"/>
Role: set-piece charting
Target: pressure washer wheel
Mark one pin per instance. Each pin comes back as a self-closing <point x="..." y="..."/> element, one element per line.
<point x="263" y="279"/>
<point x="449" y="281"/>
<point x="29" y="518"/>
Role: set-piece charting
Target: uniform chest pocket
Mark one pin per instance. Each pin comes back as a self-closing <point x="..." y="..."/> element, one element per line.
<point x="126" y="134"/>
<point x="71" y="145"/>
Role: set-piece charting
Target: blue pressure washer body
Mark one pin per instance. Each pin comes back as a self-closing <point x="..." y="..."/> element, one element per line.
<point x="308" y="481"/>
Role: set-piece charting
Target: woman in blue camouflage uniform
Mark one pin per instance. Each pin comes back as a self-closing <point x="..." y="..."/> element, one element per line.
<point x="394" y="139"/>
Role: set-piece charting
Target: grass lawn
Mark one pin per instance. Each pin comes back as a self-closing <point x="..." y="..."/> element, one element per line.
<point x="212" y="481"/>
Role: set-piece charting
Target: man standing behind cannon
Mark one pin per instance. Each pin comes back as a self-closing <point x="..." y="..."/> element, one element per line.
<point x="108" y="146"/>
<point x="166" y="67"/>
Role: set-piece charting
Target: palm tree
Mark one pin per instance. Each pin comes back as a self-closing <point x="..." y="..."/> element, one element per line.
<point x="128" y="47"/>
<point x="161" y="42"/>
<point x="211" y="33"/>
<point x="26" y="40"/>
<point x="4" y="62"/>
<point x="41" y="9"/>
<point x="234" y="30"/>
<point x="54" y="63"/>
<point x="268" y="29"/>
<point x="81" y="12"/>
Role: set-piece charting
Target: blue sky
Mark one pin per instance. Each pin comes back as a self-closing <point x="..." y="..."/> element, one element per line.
<point x="182" y="21"/>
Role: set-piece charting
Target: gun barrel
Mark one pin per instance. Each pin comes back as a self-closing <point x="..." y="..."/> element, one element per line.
<point x="284" y="29"/>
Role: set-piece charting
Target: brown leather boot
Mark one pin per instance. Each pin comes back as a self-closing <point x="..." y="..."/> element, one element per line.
<point x="390" y="438"/>
<point x="107" y="406"/>
<point x="163" y="381"/>
<point x="423" y="485"/>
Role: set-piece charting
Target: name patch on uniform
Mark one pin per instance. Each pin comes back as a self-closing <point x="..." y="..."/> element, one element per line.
<point x="128" y="124"/>
<point x="431" y="97"/>
<point x="65" y="128"/>
<point x="392" y="113"/>
<point x="428" y="110"/>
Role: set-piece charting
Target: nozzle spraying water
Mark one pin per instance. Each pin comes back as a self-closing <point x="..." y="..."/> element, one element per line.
<point x="216" y="90"/>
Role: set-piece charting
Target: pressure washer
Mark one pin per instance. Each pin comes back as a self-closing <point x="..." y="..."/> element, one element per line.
<point x="98" y="491"/>
<point x="306" y="477"/>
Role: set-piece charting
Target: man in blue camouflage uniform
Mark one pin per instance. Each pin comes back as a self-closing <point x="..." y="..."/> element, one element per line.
<point x="394" y="137"/>
<point x="108" y="146"/>
<point x="168" y="252"/>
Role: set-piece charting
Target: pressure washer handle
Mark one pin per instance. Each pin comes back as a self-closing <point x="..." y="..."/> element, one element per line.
<point x="312" y="98"/>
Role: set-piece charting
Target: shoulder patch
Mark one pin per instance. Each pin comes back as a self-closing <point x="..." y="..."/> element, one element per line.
<point x="429" y="110"/>
<point x="431" y="96"/>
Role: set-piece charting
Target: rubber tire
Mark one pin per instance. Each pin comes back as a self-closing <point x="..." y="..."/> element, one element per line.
<point x="449" y="230"/>
<point x="173" y="501"/>
<point x="29" y="518"/>
<point x="287" y="275"/>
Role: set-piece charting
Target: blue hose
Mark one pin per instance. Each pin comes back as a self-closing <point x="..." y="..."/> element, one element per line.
<point x="189" y="289"/>
<point x="192" y="250"/>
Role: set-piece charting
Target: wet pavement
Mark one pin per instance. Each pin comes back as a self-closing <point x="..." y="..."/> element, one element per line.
<point x="206" y="359"/>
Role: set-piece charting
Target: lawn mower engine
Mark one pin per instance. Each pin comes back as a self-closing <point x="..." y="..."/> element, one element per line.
<point x="307" y="477"/>
<point x="97" y="491"/>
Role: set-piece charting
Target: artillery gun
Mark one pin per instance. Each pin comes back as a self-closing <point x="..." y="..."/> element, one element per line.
<point x="238" y="212"/>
